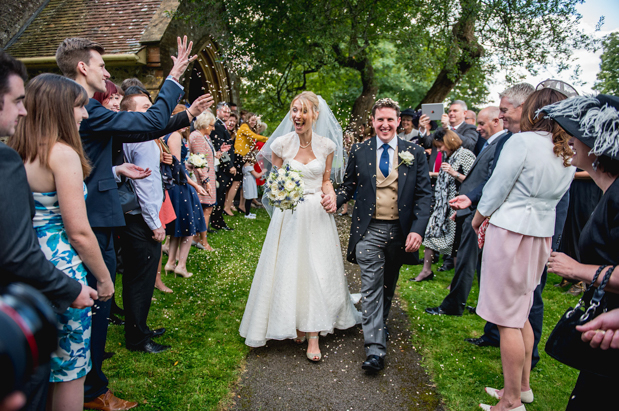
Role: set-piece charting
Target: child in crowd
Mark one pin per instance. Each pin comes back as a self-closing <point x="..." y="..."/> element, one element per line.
<point x="250" y="188"/>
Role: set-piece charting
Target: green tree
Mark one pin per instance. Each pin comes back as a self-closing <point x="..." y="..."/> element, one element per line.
<point x="608" y="77"/>
<point x="422" y="48"/>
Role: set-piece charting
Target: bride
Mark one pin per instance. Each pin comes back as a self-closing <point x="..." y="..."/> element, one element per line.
<point x="299" y="287"/>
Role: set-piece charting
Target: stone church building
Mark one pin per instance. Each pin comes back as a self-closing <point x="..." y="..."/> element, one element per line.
<point x="139" y="36"/>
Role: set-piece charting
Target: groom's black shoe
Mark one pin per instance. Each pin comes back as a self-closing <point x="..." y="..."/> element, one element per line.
<point x="373" y="364"/>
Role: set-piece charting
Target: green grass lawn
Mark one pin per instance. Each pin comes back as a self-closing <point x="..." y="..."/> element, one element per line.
<point x="202" y="319"/>
<point x="461" y="370"/>
<point x="207" y="356"/>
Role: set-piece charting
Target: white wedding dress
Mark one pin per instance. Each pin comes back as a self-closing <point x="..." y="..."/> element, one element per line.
<point x="299" y="281"/>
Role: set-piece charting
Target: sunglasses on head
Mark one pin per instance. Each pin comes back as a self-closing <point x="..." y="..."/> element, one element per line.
<point x="558" y="85"/>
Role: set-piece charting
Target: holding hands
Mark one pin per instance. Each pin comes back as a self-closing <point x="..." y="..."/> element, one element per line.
<point x="329" y="203"/>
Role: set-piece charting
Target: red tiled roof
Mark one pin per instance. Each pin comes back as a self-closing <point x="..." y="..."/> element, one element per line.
<point x="116" y="25"/>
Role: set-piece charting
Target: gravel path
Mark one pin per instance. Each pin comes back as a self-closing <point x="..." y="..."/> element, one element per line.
<point x="279" y="376"/>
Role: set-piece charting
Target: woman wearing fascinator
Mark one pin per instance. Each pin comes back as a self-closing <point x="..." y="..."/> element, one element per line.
<point x="299" y="289"/>
<point x="593" y="124"/>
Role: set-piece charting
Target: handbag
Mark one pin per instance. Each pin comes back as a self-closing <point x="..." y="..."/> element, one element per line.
<point x="565" y="344"/>
<point x="126" y="193"/>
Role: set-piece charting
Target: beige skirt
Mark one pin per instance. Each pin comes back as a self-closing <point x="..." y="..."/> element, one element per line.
<point x="511" y="268"/>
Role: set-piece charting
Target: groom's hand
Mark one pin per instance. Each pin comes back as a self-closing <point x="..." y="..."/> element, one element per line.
<point x="328" y="203"/>
<point x="413" y="242"/>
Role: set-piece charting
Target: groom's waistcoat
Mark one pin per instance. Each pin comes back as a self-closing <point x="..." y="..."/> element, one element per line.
<point x="387" y="194"/>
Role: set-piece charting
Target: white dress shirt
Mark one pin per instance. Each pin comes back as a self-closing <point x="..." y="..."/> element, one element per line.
<point x="495" y="136"/>
<point x="149" y="190"/>
<point x="393" y="145"/>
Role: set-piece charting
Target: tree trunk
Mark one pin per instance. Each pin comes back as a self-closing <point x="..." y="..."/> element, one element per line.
<point x="363" y="104"/>
<point x="466" y="52"/>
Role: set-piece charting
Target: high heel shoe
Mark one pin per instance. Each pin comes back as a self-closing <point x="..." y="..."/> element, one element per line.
<point x="314" y="357"/>
<point x="487" y="407"/>
<point x="300" y="340"/>
<point x="182" y="273"/>
<point x="428" y="278"/>
<point x="169" y="268"/>
<point x="525" y="396"/>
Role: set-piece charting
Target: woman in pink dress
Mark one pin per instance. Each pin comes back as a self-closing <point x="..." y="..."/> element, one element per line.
<point x="520" y="198"/>
<point x="200" y="143"/>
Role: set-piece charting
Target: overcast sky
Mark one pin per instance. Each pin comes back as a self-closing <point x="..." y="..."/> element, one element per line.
<point x="591" y="12"/>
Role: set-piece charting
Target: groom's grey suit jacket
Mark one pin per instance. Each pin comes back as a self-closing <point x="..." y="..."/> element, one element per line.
<point x="414" y="192"/>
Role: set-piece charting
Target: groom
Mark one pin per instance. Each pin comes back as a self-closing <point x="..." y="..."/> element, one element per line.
<point x="389" y="219"/>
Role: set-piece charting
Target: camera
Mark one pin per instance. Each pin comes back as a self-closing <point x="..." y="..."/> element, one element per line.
<point x="28" y="335"/>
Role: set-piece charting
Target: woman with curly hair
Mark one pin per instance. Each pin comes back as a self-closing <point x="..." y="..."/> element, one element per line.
<point x="520" y="199"/>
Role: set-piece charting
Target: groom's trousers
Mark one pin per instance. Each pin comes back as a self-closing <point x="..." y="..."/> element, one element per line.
<point x="378" y="257"/>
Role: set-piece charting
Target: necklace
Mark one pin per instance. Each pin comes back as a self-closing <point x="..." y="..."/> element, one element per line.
<point x="305" y="146"/>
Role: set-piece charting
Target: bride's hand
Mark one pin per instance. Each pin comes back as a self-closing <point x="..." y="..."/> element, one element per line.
<point x="329" y="203"/>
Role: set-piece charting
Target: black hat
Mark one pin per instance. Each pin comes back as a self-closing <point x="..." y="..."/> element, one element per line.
<point x="592" y="120"/>
<point x="408" y="112"/>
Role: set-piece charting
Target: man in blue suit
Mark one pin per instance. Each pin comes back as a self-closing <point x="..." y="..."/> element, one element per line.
<point x="81" y="60"/>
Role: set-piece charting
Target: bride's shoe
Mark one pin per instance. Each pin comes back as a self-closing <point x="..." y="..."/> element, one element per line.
<point x="315" y="357"/>
<point x="300" y="340"/>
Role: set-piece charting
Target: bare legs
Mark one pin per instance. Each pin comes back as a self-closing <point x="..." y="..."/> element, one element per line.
<point x="428" y="256"/>
<point x="158" y="283"/>
<point x="313" y="348"/>
<point x="230" y="197"/>
<point x="66" y="396"/>
<point x="207" y="217"/>
<point x="179" y="251"/>
<point x="516" y="352"/>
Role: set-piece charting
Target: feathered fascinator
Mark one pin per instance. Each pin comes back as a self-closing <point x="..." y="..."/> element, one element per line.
<point x="592" y="120"/>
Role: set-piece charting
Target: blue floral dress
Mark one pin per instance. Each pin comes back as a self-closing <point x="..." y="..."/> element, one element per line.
<point x="72" y="358"/>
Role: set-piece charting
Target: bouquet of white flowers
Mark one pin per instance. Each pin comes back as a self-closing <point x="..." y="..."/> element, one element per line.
<point x="197" y="160"/>
<point x="284" y="188"/>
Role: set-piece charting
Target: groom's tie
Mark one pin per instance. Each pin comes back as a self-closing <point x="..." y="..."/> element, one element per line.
<point x="384" y="160"/>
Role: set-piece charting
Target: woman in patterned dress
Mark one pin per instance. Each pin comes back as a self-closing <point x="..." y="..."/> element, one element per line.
<point x="200" y="143"/>
<point x="441" y="230"/>
<point x="49" y="143"/>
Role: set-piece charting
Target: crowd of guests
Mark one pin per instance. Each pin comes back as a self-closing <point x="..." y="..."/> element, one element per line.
<point x="87" y="150"/>
<point x="100" y="178"/>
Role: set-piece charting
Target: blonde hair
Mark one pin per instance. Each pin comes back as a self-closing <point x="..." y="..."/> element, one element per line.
<point x="204" y="120"/>
<point x="50" y="100"/>
<point x="311" y="99"/>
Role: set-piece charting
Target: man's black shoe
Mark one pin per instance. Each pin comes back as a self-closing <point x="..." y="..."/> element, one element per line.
<point x="440" y="311"/>
<point x="445" y="267"/>
<point x="481" y="342"/>
<point x="373" y="364"/>
<point x="148" y="346"/>
<point x="108" y="355"/>
<point x="227" y="228"/>
<point x="157" y="333"/>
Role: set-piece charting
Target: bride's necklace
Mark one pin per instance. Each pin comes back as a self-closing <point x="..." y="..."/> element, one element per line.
<point x="305" y="146"/>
